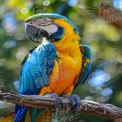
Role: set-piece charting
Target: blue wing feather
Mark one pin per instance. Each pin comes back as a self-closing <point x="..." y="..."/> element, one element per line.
<point x="86" y="65"/>
<point x="34" y="74"/>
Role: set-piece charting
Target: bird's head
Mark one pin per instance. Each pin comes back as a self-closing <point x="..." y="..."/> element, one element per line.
<point x="51" y="26"/>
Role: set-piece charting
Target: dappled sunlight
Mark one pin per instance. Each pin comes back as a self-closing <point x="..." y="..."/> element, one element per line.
<point x="101" y="27"/>
<point x="2" y="61"/>
<point x="9" y="44"/>
<point x="9" y="23"/>
<point x="72" y="3"/>
<point x="117" y="4"/>
<point x="16" y="84"/>
<point x="106" y="92"/>
<point x="24" y="10"/>
<point x="98" y="78"/>
<point x="4" y="104"/>
<point x="21" y="53"/>
<point x="46" y="2"/>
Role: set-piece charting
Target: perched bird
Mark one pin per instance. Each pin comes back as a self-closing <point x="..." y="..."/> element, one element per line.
<point x="55" y="67"/>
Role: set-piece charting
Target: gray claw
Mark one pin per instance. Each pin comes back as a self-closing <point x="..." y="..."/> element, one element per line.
<point x="76" y="102"/>
<point x="57" y="99"/>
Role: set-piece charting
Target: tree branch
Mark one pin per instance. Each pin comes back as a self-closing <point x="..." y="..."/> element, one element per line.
<point x="111" y="14"/>
<point x="107" y="111"/>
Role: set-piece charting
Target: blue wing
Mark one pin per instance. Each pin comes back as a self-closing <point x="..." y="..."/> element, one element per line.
<point x="86" y="65"/>
<point x="34" y="74"/>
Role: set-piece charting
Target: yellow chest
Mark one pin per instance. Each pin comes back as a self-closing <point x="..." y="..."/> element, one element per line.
<point x="66" y="71"/>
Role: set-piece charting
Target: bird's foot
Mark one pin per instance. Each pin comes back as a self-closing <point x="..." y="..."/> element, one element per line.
<point x="57" y="99"/>
<point x="75" y="100"/>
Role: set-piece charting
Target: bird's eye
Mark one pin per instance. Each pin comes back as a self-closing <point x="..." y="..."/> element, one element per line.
<point x="31" y="22"/>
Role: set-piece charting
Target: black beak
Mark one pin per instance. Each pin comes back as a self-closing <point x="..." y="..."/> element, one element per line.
<point x="35" y="32"/>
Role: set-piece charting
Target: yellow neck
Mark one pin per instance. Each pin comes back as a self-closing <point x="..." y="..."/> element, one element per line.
<point x="69" y="42"/>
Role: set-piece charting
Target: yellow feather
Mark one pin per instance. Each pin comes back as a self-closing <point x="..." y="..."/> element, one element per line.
<point x="8" y="118"/>
<point x="64" y="76"/>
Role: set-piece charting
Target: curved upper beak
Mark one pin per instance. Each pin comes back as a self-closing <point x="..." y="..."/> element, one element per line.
<point x="34" y="32"/>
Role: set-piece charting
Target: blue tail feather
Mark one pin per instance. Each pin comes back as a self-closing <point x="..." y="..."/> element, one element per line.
<point x="21" y="112"/>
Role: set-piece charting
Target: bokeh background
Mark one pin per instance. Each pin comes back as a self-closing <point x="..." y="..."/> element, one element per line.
<point x="105" y="40"/>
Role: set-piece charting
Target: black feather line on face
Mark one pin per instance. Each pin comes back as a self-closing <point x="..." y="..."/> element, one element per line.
<point x="57" y="36"/>
<point x="35" y="32"/>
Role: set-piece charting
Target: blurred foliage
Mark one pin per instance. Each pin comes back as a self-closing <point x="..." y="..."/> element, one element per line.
<point x="104" y="83"/>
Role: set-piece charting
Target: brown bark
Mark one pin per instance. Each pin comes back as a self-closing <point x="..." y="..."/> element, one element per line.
<point x="87" y="107"/>
<point x="111" y="14"/>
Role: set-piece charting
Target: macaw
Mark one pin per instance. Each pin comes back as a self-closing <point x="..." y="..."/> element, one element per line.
<point x="55" y="67"/>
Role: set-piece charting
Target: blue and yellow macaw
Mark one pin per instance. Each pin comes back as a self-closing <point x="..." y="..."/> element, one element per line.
<point x="55" y="67"/>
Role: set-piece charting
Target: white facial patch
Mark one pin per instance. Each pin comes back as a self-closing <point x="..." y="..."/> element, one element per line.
<point x="45" y="24"/>
<point x="52" y="28"/>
